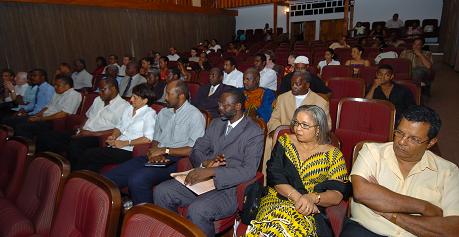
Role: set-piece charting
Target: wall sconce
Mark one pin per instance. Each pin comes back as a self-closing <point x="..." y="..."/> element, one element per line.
<point x="287" y="10"/>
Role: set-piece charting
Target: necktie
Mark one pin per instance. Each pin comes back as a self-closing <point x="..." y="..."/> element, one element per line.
<point x="212" y="90"/>
<point x="228" y="130"/>
<point x="127" y="87"/>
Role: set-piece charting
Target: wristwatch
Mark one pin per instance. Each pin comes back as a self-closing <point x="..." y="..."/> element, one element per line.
<point x="167" y="151"/>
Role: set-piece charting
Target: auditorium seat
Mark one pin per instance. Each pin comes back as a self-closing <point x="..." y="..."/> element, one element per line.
<point x="15" y="155"/>
<point x="330" y="71"/>
<point x="363" y="119"/>
<point x="415" y="90"/>
<point x="193" y="87"/>
<point x="70" y="124"/>
<point x="90" y="207"/>
<point x="203" y="77"/>
<point x="368" y="74"/>
<point x="5" y="133"/>
<point x="153" y="221"/>
<point x="400" y="65"/>
<point x="31" y="213"/>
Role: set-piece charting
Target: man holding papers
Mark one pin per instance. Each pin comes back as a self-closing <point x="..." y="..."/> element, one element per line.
<point x="229" y="153"/>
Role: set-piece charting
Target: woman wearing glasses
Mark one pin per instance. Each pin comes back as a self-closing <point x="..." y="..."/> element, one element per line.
<point x="305" y="175"/>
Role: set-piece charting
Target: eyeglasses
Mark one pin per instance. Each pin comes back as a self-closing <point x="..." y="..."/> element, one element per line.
<point x="413" y="140"/>
<point x="306" y="126"/>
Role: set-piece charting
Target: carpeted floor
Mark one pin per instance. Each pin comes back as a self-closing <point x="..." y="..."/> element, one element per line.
<point x="445" y="100"/>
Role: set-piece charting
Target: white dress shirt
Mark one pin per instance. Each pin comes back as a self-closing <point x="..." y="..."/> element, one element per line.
<point x="142" y="124"/>
<point x="234" y="78"/>
<point x="233" y="125"/>
<point x="68" y="102"/>
<point x="268" y="79"/>
<point x="299" y="99"/>
<point x="212" y="89"/>
<point x="174" y="57"/>
<point x="136" y="80"/>
<point x="122" y="71"/>
<point x="103" y="117"/>
<point x="81" y="79"/>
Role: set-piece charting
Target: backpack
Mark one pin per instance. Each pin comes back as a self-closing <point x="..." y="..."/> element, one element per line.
<point x="252" y="196"/>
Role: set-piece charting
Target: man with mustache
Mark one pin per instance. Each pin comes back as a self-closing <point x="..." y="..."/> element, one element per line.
<point x="403" y="189"/>
<point x="229" y="153"/>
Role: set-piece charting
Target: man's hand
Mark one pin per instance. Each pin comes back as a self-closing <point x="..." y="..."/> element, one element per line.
<point x="156" y="151"/>
<point x="198" y="175"/>
<point x="83" y="133"/>
<point x="110" y="140"/>
<point x="305" y="205"/>
<point x="34" y="119"/>
<point x="8" y="85"/>
<point x="120" y="144"/>
<point x="219" y="160"/>
<point x="157" y="159"/>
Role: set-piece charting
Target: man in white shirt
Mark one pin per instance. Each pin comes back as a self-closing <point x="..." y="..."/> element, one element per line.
<point x="103" y="115"/>
<point x="17" y="90"/>
<point x="231" y="75"/>
<point x="132" y="78"/>
<point x="173" y="56"/>
<point x="268" y="77"/>
<point x="394" y="23"/>
<point x="64" y="103"/>
<point x="81" y="78"/>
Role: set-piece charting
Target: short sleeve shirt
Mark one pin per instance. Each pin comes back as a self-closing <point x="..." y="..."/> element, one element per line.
<point x="432" y="179"/>
<point x="68" y="102"/>
<point x="140" y="124"/>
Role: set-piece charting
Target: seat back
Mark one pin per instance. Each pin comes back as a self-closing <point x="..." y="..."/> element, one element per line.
<point x="157" y="106"/>
<point x="90" y="206"/>
<point x="410" y="22"/>
<point x="41" y="189"/>
<point x="193" y="88"/>
<point x="330" y="71"/>
<point x="5" y="132"/>
<point x="86" y="102"/>
<point x="400" y="65"/>
<point x="357" y="148"/>
<point x="13" y="160"/>
<point x="346" y="87"/>
<point x="150" y="220"/>
<point x="415" y="89"/>
<point x="363" y="119"/>
<point x="368" y="74"/>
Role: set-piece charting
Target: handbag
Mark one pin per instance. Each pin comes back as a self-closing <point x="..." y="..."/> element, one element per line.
<point x="252" y="197"/>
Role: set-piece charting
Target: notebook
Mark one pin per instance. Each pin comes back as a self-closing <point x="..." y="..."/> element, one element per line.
<point x="199" y="188"/>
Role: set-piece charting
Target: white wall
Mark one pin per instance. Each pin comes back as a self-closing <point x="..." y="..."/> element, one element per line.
<point x="377" y="10"/>
<point x="255" y="17"/>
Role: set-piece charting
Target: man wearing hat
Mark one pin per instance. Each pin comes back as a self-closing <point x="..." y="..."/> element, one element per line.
<point x="301" y="64"/>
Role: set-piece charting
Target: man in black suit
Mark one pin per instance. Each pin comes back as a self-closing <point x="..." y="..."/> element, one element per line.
<point x="207" y="96"/>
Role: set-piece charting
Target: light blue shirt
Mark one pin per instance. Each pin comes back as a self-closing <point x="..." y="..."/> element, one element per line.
<point x="44" y="95"/>
<point x="29" y="99"/>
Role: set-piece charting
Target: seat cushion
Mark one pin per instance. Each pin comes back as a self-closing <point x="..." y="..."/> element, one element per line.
<point x="12" y="221"/>
<point x="142" y="225"/>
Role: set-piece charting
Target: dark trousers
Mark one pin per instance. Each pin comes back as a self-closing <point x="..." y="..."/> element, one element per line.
<point x="140" y="179"/>
<point x="352" y="229"/>
<point x="14" y="121"/>
<point x="203" y="210"/>
<point x="53" y="141"/>
<point x="95" y="158"/>
<point x="31" y="130"/>
<point x="78" y="145"/>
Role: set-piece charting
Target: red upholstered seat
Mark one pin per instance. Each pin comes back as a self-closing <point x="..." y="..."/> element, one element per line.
<point x="362" y="119"/>
<point x="400" y="65"/>
<point x="193" y="87"/>
<point x="153" y="221"/>
<point x="157" y="106"/>
<point x="69" y="123"/>
<point x="13" y="159"/>
<point x="89" y="207"/>
<point x="203" y="77"/>
<point x="32" y="211"/>
<point x="368" y="74"/>
<point x="415" y="90"/>
<point x="330" y="71"/>
<point x="5" y="132"/>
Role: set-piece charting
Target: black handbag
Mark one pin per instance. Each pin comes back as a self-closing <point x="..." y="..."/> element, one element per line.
<point x="252" y="196"/>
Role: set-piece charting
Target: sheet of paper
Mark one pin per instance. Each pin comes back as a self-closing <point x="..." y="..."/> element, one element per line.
<point x="199" y="188"/>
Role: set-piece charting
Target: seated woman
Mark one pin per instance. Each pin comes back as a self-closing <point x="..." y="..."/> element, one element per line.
<point x="135" y="128"/>
<point x="305" y="175"/>
<point x="329" y="60"/>
<point x="357" y="61"/>
<point x="258" y="100"/>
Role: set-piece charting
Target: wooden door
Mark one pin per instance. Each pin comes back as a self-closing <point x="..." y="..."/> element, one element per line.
<point x="297" y="31"/>
<point x="309" y="29"/>
<point x="331" y="29"/>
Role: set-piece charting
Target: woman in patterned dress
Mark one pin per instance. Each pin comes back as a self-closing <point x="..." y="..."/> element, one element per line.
<point x="298" y="164"/>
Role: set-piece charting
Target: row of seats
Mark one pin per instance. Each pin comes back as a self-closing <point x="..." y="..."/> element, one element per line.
<point x="41" y="198"/>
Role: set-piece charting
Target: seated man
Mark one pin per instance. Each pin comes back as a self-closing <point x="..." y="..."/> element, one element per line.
<point x="421" y="62"/>
<point x="403" y="189"/>
<point x="231" y="75"/>
<point x="229" y="153"/>
<point x="153" y="80"/>
<point x="383" y="88"/>
<point x="207" y="96"/>
<point x="132" y="79"/>
<point x="16" y="90"/>
<point x="301" y="64"/>
<point x="258" y="100"/>
<point x="176" y="130"/>
<point x="82" y="79"/>
<point x="287" y="103"/>
<point x="173" y="56"/>
<point x="268" y="77"/>
<point x="103" y="115"/>
<point x="65" y="102"/>
<point x="27" y="102"/>
<point x="7" y="78"/>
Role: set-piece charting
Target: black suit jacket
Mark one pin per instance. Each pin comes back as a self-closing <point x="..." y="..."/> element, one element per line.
<point x="209" y="103"/>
